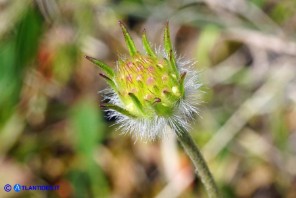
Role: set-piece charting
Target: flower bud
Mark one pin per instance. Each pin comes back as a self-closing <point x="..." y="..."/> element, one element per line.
<point x="149" y="89"/>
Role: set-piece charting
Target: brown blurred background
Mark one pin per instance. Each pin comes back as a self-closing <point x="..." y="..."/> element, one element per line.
<point x="52" y="131"/>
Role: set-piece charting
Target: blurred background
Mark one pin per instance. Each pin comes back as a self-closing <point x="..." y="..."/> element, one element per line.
<point x="52" y="131"/>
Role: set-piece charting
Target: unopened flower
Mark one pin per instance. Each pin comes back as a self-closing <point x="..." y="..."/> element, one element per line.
<point x="152" y="91"/>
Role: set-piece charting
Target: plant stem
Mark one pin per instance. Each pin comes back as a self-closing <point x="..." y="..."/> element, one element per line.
<point x="198" y="161"/>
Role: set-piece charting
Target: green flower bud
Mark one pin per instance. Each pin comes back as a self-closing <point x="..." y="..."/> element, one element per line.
<point x="149" y="89"/>
<point x="148" y="86"/>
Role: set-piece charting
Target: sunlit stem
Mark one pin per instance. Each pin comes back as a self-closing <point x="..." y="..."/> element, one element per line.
<point x="198" y="161"/>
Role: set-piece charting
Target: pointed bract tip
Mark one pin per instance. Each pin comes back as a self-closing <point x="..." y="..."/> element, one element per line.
<point x="183" y="75"/>
<point x="121" y="24"/>
<point x="91" y="59"/>
<point x="167" y="28"/>
<point x="104" y="76"/>
<point x="167" y="40"/>
<point x="106" y="68"/>
<point x="156" y="100"/>
<point x="165" y="92"/>
<point x="128" y="40"/>
<point x="167" y="23"/>
<point x="88" y="57"/>
<point x="147" y="46"/>
<point x="103" y="105"/>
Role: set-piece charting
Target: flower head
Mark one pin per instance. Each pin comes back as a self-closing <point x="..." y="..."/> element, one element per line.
<point x="151" y="91"/>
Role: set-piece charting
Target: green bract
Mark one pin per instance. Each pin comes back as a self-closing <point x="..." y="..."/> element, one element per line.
<point x="147" y="85"/>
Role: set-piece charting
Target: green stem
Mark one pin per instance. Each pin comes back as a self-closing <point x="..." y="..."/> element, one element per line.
<point x="198" y="161"/>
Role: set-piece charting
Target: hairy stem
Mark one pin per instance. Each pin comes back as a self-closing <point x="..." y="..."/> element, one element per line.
<point x="198" y="161"/>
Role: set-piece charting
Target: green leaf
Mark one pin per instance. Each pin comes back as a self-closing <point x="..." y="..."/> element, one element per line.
<point x="110" y="82"/>
<point x="17" y="49"/>
<point x="173" y="63"/>
<point x="181" y="81"/>
<point x="147" y="46"/>
<point x="106" y="68"/>
<point x="28" y="35"/>
<point x="88" y="127"/>
<point x="118" y="109"/>
<point x="169" y="49"/>
<point x="167" y="39"/>
<point x="136" y="101"/>
<point x="129" y="41"/>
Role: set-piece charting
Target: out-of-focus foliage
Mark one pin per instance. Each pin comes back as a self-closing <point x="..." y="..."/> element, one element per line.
<point x="52" y="131"/>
